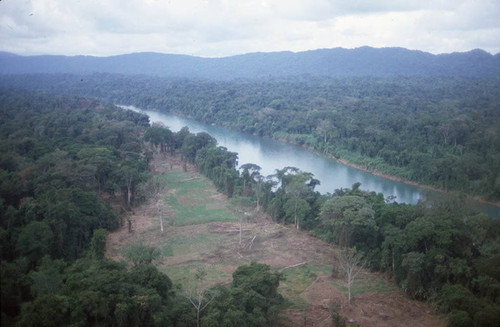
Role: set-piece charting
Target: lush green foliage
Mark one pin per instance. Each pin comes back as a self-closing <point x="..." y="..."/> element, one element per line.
<point x="251" y="300"/>
<point x="58" y="154"/>
<point x="61" y="156"/>
<point x="101" y="292"/>
<point x="438" y="131"/>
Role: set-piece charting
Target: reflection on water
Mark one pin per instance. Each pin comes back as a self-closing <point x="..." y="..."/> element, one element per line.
<point x="271" y="155"/>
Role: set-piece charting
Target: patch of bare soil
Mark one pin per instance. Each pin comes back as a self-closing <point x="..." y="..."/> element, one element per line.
<point x="140" y="222"/>
<point x="390" y="309"/>
<point x="279" y="246"/>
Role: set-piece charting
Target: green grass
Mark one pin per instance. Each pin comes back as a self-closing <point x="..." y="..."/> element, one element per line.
<point x="321" y="270"/>
<point x="180" y="181"/>
<point x="172" y="201"/>
<point x="200" y="214"/>
<point x="295" y="281"/>
<point x="371" y="285"/>
<point x="167" y="251"/>
<point x="183" y="245"/>
<point x="191" y="201"/>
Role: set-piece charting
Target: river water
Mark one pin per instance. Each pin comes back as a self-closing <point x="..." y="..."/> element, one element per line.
<point x="271" y="155"/>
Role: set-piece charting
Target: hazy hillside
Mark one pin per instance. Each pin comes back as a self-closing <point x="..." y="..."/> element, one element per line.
<point x="364" y="61"/>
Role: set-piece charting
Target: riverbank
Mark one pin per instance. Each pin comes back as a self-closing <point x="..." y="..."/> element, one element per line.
<point x="390" y="177"/>
<point x="401" y="180"/>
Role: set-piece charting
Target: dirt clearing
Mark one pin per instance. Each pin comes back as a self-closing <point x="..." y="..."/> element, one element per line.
<point x="202" y="229"/>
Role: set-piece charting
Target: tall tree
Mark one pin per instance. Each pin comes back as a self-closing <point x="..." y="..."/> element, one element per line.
<point x="297" y="186"/>
<point x="98" y="243"/>
<point x="347" y="216"/>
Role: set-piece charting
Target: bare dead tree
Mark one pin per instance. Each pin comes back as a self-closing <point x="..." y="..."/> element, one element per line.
<point x="200" y="301"/>
<point x="158" y="206"/>
<point x="157" y="187"/>
<point x="199" y="294"/>
<point x="351" y="263"/>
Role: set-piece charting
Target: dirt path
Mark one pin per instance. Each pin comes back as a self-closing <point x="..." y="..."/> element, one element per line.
<point x="216" y="246"/>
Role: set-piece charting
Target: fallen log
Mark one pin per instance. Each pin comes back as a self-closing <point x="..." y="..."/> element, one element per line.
<point x="250" y="244"/>
<point x="293" y="266"/>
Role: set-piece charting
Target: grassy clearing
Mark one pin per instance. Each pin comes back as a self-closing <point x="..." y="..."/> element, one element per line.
<point x="295" y="281"/>
<point x="184" y="245"/>
<point x="321" y="270"/>
<point x="371" y="285"/>
<point x="187" y="184"/>
<point x="367" y="284"/>
<point x="200" y="214"/>
<point x="192" y="201"/>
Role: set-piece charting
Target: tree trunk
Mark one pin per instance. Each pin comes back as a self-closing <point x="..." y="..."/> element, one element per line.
<point x="129" y="192"/>
<point x="393" y="262"/>
<point x="296" y="221"/>
<point x="349" y="293"/>
<point x="240" y="231"/>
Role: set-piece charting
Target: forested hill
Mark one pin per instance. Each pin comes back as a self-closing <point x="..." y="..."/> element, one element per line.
<point x="364" y="61"/>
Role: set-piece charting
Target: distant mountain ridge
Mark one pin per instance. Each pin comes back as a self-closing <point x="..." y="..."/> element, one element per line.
<point x="363" y="61"/>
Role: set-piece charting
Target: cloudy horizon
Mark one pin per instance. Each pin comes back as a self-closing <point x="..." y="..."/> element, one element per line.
<point x="221" y="28"/>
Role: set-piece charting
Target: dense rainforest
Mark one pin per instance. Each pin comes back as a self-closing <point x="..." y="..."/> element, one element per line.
<point x="70" y="167"/>
<point x="65" y="159"/>
<point x="438" y="131"/>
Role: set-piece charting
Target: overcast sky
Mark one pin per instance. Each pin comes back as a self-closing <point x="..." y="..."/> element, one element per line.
<point x="219" y="28"/>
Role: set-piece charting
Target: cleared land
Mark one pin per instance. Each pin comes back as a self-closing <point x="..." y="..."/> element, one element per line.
<point x="202" y="230"/>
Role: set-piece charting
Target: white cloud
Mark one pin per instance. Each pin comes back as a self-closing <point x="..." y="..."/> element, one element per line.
<point x="228" y="27"/>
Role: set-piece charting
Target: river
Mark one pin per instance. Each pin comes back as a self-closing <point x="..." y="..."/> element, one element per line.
<point x="271" y="155"/>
